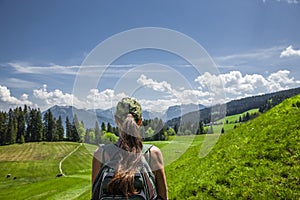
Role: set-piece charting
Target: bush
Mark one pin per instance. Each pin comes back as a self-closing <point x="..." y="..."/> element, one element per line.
<point x="109" y="138"/>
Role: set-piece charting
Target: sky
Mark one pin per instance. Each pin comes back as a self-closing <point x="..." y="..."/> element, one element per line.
<point x="48" y="50"/>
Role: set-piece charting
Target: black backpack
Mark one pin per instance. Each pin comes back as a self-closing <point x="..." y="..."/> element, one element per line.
<point x="144" y="180"/>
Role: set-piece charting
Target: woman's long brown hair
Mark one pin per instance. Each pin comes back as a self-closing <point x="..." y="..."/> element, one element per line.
<point x="131" y="149"/>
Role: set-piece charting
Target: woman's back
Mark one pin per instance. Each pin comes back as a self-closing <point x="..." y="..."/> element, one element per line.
<point x="127" y="154"/>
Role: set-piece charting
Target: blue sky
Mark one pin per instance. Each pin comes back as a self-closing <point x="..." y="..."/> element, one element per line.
<point x="254" y="44"/>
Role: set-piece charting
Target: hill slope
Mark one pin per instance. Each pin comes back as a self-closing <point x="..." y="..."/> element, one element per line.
<point x="258" y="160"/>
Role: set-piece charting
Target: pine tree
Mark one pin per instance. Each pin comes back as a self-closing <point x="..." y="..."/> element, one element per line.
<point x="247" y="117"/>
<point x="49" y="127"/>
<point x="109" y="128"/>
<point x="38" y="126"/>
<point x="21" y="125"/>
<point x="11" y="134"/>
<point x="45" y="125"/>
<point x="52" y="128"/>
<point x="28" y="124"/>
<point x="176" y="128"/>
<point x="200" y="128"/>
<point x="3" y="127"/>
<point x="78" y="130"/>
<point x="60" y="129"/>
<point x="68" y="129"/>
<point x="103" y="127"/>
<point x="97" y="133"/>
<point x="75" y="135"/>
<point x="161" y="130"/>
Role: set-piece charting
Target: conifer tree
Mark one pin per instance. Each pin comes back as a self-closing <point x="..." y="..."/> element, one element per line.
<point x="37" y="126"/>
<point x="75" y="135"/>
<point x="32" y="119"/>
<point x="60" y="129"/>
<point x="69" y="136"/>
<point x="78" y="130"/>
<point x="200" y="128"/>
<point x="21" y="125"/>
<point x="160" y="130"/>
<point x="97" y="133"/>
<point x="45" y="125"/>
<point x="3" y="127"/>
<point x="11" y="134"/>
<point x="103" y="127"/>
<point x="109" y="128"/>
<point x="28" y="124"/>
<point x="49" y="126"/>
<point x="176" y="128"/>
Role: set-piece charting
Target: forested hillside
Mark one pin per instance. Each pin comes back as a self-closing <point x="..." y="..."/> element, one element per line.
<point x="26" y="124"/>
<point x="263" y="102"/>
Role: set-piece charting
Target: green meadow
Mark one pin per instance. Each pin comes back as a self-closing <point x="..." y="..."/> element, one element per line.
<point x="260" y="159"/>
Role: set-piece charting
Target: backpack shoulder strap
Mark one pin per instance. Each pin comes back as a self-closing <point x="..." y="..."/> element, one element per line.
<point x="146" y="150"/>
<point x="148" y="176"/>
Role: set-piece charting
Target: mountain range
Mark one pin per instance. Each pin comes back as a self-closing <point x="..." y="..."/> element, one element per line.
<point x="173" y="114"/>
<point x="89" y="117"/>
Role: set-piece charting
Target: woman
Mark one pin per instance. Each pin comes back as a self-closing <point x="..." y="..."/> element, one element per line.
<point x="128" y="118"/>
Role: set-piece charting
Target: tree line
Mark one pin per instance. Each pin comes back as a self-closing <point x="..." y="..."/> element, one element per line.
<point x="25" y="124"/>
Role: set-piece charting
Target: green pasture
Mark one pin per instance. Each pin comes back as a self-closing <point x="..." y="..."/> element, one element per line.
<point x="233" y="121"/>
<point x="34" y="166"/>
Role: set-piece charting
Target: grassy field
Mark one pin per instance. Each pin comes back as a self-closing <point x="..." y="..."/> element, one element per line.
<point x="34" y="166"/>
<point x="258" y="160"/>
<point x="233" y="121"/>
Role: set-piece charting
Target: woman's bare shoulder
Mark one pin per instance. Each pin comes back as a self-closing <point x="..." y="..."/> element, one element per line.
<point x="156" y="158"/>
<point x="155" y="149"/>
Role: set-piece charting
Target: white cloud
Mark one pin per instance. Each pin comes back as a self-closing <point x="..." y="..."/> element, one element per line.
<point x="52" y="69"/>
<point x="257" y="54"/>
<point x="172" y="96"/>
<point x="287" y="1"/>
<point x="95" y="98"/>
<point x="19" y="83"/>
<point x="103" y="99"/>
<point x="57" y="97"/>
<point x="157" y="105"/>
<point x="6" y="98"/>
<point x="85" y="70"/>
<point x="293" y="1"/>
<point x="289" y="51"/>
<point x="157" y="86"/>
<point x="237" y="85"/>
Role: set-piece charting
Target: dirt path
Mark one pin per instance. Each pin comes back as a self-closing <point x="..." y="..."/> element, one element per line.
<point x="62" y="160"/>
